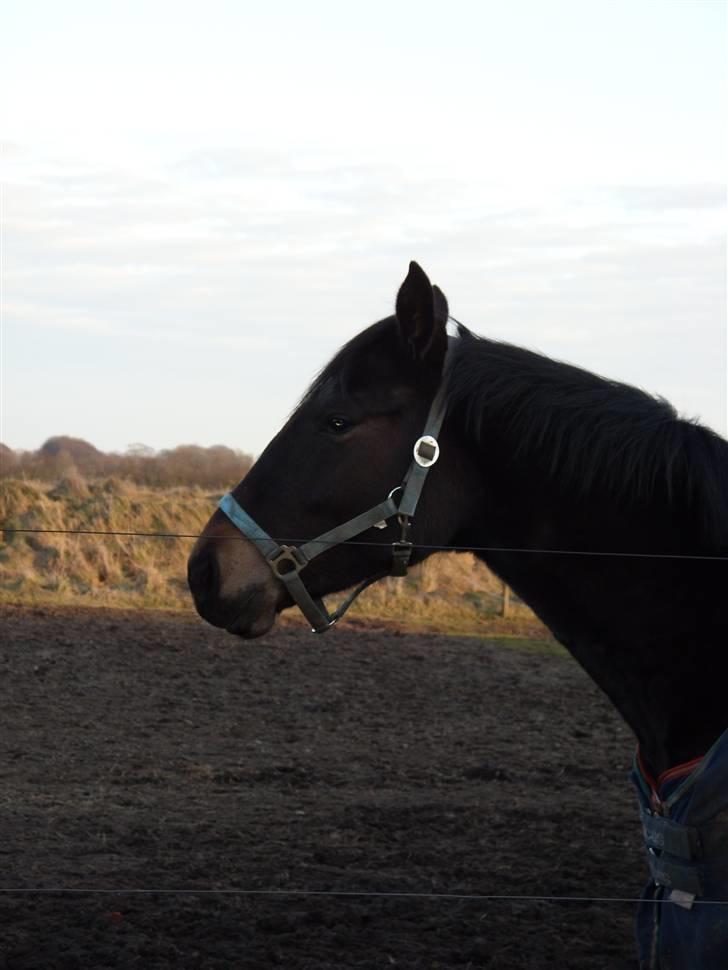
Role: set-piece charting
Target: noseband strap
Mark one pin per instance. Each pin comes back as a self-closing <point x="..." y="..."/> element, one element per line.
<point x="287" y="562"/>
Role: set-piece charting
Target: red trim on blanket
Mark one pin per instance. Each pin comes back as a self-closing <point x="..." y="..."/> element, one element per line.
<point x="672" y="774"/>
<point x="679" y="771"/>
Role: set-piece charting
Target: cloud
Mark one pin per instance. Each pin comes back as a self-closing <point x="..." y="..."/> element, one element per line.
<point x="216" y="258"/>
<point x="670" y="197"/>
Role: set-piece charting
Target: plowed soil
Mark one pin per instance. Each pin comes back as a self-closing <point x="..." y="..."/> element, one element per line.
<point x="357" y="787"/>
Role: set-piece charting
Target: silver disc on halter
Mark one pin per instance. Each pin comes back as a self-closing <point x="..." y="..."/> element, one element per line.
<point x="426" y="451"/>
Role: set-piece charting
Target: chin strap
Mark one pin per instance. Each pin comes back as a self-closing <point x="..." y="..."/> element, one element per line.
<point x="287" y="562"/>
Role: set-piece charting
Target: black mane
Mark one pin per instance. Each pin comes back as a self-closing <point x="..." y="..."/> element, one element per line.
<point x="587" y="433"/>
<point x="590" y="433"/>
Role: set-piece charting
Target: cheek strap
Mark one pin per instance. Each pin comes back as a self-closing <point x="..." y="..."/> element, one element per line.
<point x="287" y="562"/>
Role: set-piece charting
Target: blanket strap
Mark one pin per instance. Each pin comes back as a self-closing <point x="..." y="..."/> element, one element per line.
<point x="673" y="851"/>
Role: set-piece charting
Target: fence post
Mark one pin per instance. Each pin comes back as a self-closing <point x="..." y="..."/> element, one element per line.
<point x="506" y="608"/>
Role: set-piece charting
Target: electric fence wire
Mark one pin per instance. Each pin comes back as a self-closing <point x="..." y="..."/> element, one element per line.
<point x="361" y="542"/>
<point x="461" y="897"/>
<point x="344" y="893"/>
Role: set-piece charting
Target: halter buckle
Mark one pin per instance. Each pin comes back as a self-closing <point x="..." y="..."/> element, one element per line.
<point x="426" y="451"/>
<point x="287" y="562"/>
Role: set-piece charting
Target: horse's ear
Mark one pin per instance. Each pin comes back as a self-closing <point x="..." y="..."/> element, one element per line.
<point x="422" y="313"/>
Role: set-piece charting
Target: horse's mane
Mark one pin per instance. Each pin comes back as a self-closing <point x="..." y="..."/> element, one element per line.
<point x="588" y="432"/>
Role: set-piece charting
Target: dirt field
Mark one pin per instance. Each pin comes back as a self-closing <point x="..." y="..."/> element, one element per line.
<point x="148" y="751"/>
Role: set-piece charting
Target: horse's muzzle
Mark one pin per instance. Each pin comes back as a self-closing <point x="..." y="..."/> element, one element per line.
<point x="247" y="610"/>
<point x="203" y="579"/>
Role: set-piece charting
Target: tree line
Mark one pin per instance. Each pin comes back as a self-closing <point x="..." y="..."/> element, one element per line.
<point x="63" y="456"/>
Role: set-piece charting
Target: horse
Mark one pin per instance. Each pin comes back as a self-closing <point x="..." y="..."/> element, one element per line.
<point x="594" y="501"/>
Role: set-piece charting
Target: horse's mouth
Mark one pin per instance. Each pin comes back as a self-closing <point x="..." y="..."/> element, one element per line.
<point x="250" y="629"/>
<point x="250" y="614"/>
<point x="256" y="614"/>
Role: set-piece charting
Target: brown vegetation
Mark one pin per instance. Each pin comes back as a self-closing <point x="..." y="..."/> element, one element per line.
<point x="450" y="593"/>
<point x="189" y="465"/>
<point x="45" y="566"/>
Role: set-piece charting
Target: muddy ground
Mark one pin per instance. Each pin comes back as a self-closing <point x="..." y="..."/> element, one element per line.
<point x="143" y="751"/>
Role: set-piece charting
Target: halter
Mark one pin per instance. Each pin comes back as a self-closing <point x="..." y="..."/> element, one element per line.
<point x="287" y="562"/>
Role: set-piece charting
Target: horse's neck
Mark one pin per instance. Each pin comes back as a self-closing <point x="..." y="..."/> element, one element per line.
<point x="646" y="630"/>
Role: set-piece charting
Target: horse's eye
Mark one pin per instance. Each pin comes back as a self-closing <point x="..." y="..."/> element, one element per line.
<point x="338" y="424"/>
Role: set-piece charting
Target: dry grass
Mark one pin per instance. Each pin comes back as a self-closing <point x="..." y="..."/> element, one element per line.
<point x="98" y="570"/>
<point x="452" y="593"/>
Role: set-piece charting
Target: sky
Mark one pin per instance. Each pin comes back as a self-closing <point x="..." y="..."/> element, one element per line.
<point x="202" y="202"/>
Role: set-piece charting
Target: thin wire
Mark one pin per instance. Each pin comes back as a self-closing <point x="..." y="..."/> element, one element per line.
<point x="456" y="897"/>
<point x="355" y="542"/>
<point x="354" y="893"/>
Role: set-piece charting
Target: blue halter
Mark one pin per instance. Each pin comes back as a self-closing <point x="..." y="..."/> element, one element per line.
<point x="287" y="562"/>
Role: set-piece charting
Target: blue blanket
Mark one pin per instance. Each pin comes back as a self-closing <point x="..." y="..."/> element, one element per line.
<point x="682" y="920"/>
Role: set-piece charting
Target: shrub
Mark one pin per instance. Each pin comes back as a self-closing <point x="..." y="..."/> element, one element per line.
<point x="64" y="457"/>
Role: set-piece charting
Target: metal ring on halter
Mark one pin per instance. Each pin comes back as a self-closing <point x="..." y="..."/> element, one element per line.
<point x="384" y="523"/>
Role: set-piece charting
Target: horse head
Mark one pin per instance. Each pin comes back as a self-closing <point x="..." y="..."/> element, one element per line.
<point x="345" y="449"/>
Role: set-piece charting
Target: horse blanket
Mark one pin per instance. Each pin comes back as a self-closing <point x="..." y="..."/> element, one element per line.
<point x="682" y="919"/>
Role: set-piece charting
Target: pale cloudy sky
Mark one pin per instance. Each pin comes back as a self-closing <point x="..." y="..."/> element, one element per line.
<point x="201" y="202"/>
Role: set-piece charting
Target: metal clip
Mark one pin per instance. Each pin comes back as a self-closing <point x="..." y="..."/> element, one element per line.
<point x="402" y="549"/>
<point x="401" y="553"/>
<point x="287" y="562"/>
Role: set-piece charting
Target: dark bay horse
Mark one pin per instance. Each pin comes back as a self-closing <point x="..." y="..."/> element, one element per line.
<point x="602" y="509"/>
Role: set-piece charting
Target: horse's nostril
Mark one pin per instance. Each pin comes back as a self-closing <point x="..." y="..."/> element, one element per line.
<point x="203" y="575"/>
